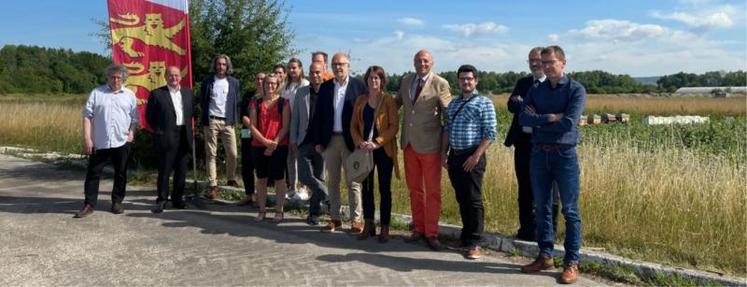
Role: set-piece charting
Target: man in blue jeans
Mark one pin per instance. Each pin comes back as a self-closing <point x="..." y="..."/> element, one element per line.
<point x="553" y="110"/>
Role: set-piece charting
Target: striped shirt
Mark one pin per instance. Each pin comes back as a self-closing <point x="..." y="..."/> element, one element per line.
<point x="475" y="122"/>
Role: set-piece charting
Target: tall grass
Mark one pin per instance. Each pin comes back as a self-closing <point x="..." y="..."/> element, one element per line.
<point x="45" y="126"/>
<point x="670" y="194"/>
<point x="660" y="106"/>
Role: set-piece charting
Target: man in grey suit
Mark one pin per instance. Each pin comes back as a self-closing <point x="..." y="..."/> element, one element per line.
<point x="310" y="162"/>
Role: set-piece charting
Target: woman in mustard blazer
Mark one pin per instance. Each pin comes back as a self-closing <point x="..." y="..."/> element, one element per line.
<point x="377" y="111"/>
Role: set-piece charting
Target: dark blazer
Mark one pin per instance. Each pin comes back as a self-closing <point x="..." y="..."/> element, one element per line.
<point x="515" y="135"/>
<point x="161" y="116"/>
<point x="323" y="119"/>
<point x="232" y="102"/>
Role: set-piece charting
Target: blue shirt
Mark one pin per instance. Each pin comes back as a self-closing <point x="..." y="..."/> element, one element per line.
<point x="112" y="113"/>
<point x="475" y="122"/>
<point x="568" y="98"/>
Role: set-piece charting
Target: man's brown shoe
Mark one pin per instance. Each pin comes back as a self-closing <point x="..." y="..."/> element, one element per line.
<point x="433" y="243"/>
<point x="331" y="226"/>
<point x="416" y="236"/>
<point x="474" y="253"/>
<point x="541" y="263"/>
<point x="85" y="211"/>
<point x="570" y="273"/>
<point x="117" y="208"/>
<point x="356" y="227"/>
<point x="212" y="192"/>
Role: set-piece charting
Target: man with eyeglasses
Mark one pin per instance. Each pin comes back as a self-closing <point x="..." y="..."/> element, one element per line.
<point x="553" y="110"/>
<point x="471" y="127"/>
<point x="520" y="137"/>
<point x="330" y="131"/>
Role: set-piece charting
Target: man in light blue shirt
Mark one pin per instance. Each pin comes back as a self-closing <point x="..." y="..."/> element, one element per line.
<point x="471" y="127"/>
<point x="110" y="118"/>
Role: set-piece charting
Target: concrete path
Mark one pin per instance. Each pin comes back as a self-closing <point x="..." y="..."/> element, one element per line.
<point x="41" y="244"/>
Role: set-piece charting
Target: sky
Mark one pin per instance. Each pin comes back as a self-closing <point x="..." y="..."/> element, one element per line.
<point x="639" y="38"/>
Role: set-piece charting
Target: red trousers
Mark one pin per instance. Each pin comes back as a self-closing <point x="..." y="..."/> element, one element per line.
<point x="423" y="176"/>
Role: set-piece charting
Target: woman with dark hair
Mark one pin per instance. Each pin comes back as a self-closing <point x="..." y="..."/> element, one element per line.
<point x="270" y="118"/>
<point x="374" y="127"/>
<point x="294" y="80"/>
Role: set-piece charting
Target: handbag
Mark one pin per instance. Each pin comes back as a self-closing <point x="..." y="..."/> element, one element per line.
<point x="360" y="163"/>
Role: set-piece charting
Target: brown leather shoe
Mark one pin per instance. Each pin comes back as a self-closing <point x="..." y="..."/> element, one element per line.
<point x="356" y="227"/>
<point x="570" y="273"/>
<point x="369" y="230"/>
<point x="416" y="236"/>
<point x="117" y="208"/>
<point x="212" y="192"/>
<point x="384" y="234"/>
<point x="433" y="243"/>
<point x="541" y="263"/>
<point x="474" y="253"/>
<point x="85" y="211"/>
<point x="331" y="226"/>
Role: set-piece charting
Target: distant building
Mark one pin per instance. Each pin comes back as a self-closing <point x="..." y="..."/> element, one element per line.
<point x="720" y="92"/>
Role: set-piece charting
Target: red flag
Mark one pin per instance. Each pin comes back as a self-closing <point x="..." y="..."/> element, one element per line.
<point x="148" y="36"/>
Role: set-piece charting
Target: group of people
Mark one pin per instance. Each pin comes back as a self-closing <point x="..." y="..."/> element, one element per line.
<point x="297" y="134"/>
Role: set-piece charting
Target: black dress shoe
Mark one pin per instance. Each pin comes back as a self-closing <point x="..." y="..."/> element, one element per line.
<point x="85" y="211"/>
<point x="178" y="205"/>
<point x="160" y="206"/>
<point x="117" y="208"/>
<point x="434" y="244"/>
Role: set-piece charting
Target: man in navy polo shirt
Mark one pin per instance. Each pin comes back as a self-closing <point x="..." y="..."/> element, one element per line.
<point x="553" y="110"/>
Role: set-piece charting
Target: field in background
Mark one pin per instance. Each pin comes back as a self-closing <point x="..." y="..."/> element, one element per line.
<point x="670" y="194"/>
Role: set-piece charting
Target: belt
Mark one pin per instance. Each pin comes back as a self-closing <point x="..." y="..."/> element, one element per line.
<point x="551" y="147"/>
<point x="460" y="152"/>
<point x="217" y="118"/>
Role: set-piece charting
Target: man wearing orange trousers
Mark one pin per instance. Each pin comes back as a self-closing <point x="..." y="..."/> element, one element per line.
<point x="423" y="97"/>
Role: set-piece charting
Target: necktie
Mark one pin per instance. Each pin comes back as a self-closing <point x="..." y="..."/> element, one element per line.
<point x="418" y="90"/>
<point x="536" y="82"/>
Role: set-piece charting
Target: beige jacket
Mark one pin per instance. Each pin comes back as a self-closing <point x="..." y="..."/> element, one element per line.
<point x="423" y="120"/>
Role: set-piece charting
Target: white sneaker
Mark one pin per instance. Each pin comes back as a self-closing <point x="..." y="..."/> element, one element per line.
<point x="301" y="195"/>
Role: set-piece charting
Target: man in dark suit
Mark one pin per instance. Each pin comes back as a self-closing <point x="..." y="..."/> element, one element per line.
<point x="520" y="137"/>
<point x="169" y="112"/>
<point x="331" y="136"/>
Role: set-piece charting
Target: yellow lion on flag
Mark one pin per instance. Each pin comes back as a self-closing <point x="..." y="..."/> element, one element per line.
<point x="151" y="32"/>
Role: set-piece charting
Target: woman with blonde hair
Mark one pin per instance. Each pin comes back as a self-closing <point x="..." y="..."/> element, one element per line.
<point x="270" y="118"/>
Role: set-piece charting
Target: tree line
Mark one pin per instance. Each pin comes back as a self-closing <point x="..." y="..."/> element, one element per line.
<point x="31" y="69"/>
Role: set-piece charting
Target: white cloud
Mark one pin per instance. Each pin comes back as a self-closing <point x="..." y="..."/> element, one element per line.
<point x="617" y="30"/>
<point x="703" y="19"/>
<point x="553" y="38"/>
<point x="471" y="29"/>
<point x="400" y="34"/>
<point x="409" y="21"/>
<point x="626" y="47"/>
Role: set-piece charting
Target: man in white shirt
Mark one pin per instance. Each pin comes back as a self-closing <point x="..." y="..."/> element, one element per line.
<point x="110" y="119"/>
<point x="219" y="99"/>
<point x="169" y="113"/>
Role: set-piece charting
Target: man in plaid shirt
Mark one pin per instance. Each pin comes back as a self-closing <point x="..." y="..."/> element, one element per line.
<point x="470" y="129"/>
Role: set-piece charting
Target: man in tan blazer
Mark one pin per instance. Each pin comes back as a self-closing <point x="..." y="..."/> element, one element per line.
<point x="424" y="98"/>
